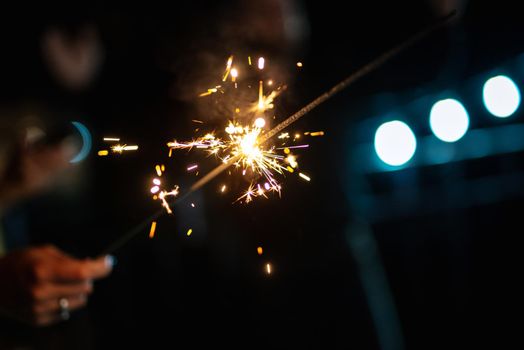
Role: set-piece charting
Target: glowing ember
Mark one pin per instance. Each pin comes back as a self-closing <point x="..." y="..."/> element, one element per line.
<point x="305" y="177"/>
<point x="228" y="68"/>
<point x="162" y="196"/>
<point x="122" y="148"/>
<point x="261" y="62"/>
<point x="234" y="74"/>
<point x="317" y="133"/>
<point x="152" y="230"/>
<point x="260" y="122"/>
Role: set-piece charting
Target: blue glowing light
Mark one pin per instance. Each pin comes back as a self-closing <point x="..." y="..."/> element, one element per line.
<point x="395" y="143"/>
<point x="86" y="142"/>
<point x="501" y="96"/>
<point x="448" y="120"/>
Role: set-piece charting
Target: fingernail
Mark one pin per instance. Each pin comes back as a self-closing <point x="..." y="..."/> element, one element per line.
<point x="110" y="261"/>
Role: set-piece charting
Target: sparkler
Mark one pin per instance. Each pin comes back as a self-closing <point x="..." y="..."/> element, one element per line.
<point x="262" y="139"/>
<point x="239" y="143"/>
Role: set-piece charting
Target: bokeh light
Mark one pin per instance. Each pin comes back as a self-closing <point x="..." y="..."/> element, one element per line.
<point x="449" y="120"/>
<point x="501" y="96"/>
<point x="395" y="143"/>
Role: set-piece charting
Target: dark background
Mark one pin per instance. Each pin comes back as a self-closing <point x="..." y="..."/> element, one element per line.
<point x="347" y="273"/>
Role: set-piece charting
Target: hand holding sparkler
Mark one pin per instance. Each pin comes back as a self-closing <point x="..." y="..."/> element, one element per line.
<point x="41" y="285"/>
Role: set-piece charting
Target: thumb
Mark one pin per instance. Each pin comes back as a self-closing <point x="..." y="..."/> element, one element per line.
<point x="68" y="269"/>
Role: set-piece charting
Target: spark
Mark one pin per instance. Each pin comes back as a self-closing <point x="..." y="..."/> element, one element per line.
<point x="260" y="250"/>
<point x="260" y="122"/>
<point x="189" y="232"/>
<point x="122" y="148"/>
<point x="234" y="74"/>
<point x="299" y="64"/>
<point x="156" y="182"/>
<point x="292" y="160"/>
<point x="162" y="196"/>
<point x="228" y="67"/>
<point x="248" y="195"/>
<point x="249" y="60"/>
<point x="261" y="63"/>
<point x="223" y="189"/>
<point x="158" y="170"/>
<point x="152" y="229"/>
<point x="155" y="189"/>
<point x="268" y="268"/>
<point x="111" y="139"/>
<point x="192" y="167"/>
<point x="261" y="95"/>
<point x="210" y="91"/>
<point x="192" y="205"/>
<point x="103" y="153"/>
<point x="305" y="177"/>
<point x="316" y="133"/>
<point x="264" y="102"/>
<point x="284" y="135"/>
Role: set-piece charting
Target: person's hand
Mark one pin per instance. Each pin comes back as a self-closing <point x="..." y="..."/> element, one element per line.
<point x="42" y="285"/>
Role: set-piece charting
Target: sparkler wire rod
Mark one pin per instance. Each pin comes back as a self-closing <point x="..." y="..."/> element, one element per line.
<point x="361" y="72"/>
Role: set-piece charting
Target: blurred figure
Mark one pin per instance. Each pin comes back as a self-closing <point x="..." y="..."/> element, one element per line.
<point x="75" y="59"/>
<point x="41" y="285"/>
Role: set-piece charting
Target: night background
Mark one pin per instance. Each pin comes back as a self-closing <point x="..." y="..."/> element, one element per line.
<point x="365" y="256"/>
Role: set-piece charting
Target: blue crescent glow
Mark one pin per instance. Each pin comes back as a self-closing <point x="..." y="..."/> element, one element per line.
<point x="86" y="142"/>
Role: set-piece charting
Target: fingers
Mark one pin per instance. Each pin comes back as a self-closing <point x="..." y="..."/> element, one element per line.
<point x="48" y="312"/>
<point x="75" y="302"/>
<point x="56" y="290"/>
<point x="66" y="269"/>
<point x="46" y="275"/>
